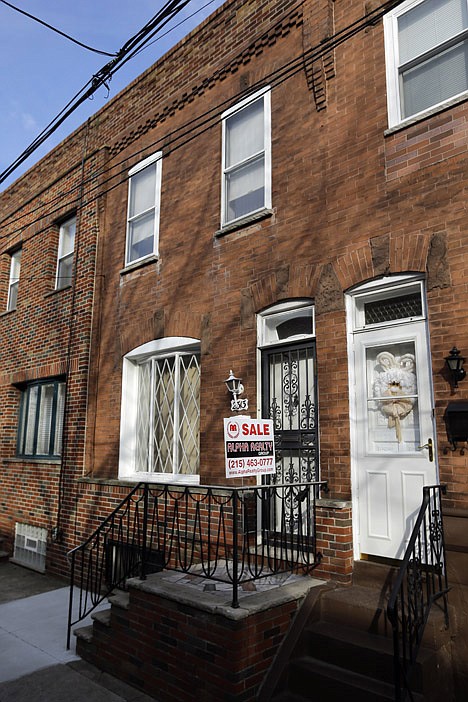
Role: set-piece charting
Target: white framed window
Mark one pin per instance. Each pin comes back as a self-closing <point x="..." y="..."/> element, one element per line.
<point x="286" y="322"/>
<point x="41" y="419"/>
<point x="144" y="196"/>
<point x="426" y="46"/>
<point x="66" y="248"/>
<point x="246" y="161"/>
<point x="389" y="302"/>
<point x="13" y="282"/>
<point x="160" y="417"/>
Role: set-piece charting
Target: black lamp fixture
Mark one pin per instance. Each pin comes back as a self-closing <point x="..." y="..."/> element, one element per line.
<point x="455" y="365"/>
<point x="235" y="387"/>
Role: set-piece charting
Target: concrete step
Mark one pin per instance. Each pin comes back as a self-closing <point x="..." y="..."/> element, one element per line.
<point x="120" y="599"/>
<point x="84" y="633"/>
<point x="379" y="576"/>
<point x="350" y="648"/>
<point x="288" y="697"/>
<point x="317" y="680"/>
<point x="356" y="607"/>
<point x="365" y="608"/>
<point x="102" y="617"/>
<point x="366" y="654"/>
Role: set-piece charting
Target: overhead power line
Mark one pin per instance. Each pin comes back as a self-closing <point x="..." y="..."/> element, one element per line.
<point x="101" y="78"/>
<point x="207" y="120"/>
<point x="54" y="29"/>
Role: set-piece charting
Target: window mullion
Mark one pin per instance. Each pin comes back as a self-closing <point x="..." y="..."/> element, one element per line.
<point x="175" y="448"/>
<point x="150" y="464"/>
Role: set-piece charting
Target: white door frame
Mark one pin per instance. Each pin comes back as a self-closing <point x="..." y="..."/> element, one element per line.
<point x="378" y="287"/>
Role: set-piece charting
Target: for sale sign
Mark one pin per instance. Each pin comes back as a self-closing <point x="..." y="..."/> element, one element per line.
<point x="249" y="447"/>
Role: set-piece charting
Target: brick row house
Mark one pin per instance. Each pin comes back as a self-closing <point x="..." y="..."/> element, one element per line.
<point x="283" y="194"/>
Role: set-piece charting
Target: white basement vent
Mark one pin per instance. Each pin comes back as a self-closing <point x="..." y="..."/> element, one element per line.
<point x="30" y="547"/>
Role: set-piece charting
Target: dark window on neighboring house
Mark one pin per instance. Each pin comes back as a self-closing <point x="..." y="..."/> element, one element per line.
<point x="41" y="419"/>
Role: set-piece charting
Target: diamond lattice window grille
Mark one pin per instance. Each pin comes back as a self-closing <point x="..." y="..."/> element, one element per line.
<point x="168" y="415"/>
<point x="393" y="308"/>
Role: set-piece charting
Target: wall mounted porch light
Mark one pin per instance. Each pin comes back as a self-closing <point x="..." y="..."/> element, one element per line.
<point x="455" y="366"/>
<point x="235" y="387"/>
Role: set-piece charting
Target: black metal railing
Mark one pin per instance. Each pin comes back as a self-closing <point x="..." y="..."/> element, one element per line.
<point x="421" y="581"/>
<point x="233" y="535"/>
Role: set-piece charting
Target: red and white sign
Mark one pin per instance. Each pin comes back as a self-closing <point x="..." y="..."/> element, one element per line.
<point x="249" y="446"/>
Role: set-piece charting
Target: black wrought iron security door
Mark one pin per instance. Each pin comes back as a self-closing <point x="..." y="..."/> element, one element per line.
<point x="290" y="400"/>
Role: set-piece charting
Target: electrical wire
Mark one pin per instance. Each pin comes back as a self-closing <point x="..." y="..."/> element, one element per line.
<point x="178" y="138"/>
<point x="101" y="78"/>
<point x="54" y="29"/>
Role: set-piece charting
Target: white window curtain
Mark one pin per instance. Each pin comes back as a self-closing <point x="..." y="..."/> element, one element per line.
<point x="13" y="284"/>
<point x="246" y="159"/>
<point x="65" y="254"/>
<point x="143" y="209"/>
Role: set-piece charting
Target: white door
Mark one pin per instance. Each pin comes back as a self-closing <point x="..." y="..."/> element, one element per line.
<point x="394" y="434"/>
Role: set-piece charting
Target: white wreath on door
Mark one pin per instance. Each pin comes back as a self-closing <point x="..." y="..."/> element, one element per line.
<point x="395" y="381"/>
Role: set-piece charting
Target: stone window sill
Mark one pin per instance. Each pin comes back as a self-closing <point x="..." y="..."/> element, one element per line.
<point x="244" y="222"/>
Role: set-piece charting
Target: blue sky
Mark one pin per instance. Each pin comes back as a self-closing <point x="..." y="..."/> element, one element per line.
<point x="40" y="71"/>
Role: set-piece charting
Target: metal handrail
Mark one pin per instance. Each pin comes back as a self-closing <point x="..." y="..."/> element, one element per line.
<point x="226" y="534"/>
<point x="421" y="581"/>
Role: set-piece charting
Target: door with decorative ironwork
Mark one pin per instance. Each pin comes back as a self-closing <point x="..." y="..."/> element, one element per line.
<point x="290" y="400"/>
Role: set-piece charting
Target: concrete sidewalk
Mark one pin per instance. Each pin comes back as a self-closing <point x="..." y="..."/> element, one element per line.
<point x="35" y="665"/>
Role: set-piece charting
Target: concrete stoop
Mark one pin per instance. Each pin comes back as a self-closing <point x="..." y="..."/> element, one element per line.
<point x="345" y="651"/>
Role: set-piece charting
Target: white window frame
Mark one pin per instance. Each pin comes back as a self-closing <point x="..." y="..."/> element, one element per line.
<point x="270" y="319"/>
<point x="13" y="280"/>
<point x="394" y="96"/>
<point x="64" y="255"/>
<point x="33" y="421"/>
<point x="265" y="96"/>
<point x="153" y="161"/>
<point x="157" y="349"/>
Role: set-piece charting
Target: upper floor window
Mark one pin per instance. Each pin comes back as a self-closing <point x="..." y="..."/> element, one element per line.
<point x="13" y="282"/>
<point x="144" y="194"/>
<point x="65" y="254"/>
<point x="246" y="186"/>
<point x="159" y="434"/>
<point x="427" y="55"/>
<point x="41" y="419"/>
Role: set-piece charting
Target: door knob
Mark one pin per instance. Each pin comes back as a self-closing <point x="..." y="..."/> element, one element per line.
<point x="430" y="447"/>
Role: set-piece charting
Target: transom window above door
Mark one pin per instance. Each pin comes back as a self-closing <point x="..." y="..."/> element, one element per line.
<point x="286" y="322"/>
<point x="391" y="304"/>
<point x="426" y="43"/>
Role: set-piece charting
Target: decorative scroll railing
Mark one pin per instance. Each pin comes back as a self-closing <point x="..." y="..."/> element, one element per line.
<point x="422" y="580"/>
<point x="233" y="535"/>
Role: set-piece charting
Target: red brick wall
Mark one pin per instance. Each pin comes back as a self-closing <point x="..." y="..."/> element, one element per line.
<point x="350" y="202"/>
<point x="176" y="651"/>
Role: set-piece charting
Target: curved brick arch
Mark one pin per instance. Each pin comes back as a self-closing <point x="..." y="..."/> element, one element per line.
<point x="392" y="254"/>
<point x="288" y="282"/>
